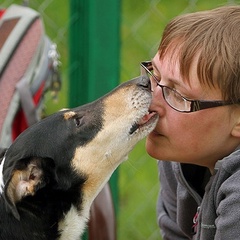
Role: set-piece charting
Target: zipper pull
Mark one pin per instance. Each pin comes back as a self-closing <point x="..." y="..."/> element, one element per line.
<point x="195" y="221"/>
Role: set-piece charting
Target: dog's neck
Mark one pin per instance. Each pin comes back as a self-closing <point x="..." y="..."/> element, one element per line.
<point x="73" y="224"/>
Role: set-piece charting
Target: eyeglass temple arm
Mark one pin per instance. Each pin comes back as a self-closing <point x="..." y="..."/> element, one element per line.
<point x="199" y="105"/>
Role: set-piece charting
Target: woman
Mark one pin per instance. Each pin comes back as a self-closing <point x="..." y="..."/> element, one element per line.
<point x="195" y="79"/>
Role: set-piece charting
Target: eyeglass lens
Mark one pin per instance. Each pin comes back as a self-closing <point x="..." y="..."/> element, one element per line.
<point x="172" y="97"/>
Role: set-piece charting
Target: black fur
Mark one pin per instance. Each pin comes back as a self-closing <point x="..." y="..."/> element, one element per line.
<point x="52" y="143"/>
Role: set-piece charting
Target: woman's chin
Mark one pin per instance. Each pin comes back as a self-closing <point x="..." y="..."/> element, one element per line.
<point x="152" y="147"/>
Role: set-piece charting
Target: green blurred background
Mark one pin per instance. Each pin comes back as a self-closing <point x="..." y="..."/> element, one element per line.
<point x="141" y="26"/>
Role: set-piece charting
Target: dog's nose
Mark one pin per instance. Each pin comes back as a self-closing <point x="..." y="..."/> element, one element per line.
<point x="144" y="82"/>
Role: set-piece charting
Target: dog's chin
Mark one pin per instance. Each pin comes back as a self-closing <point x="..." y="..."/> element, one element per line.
<point x="144" y="125"/>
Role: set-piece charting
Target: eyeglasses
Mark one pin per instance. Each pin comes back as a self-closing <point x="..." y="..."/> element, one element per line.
<point x="173" y="98"/>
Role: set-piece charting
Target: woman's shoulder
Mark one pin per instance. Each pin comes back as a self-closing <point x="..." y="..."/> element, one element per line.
<point x="230" y="164"/>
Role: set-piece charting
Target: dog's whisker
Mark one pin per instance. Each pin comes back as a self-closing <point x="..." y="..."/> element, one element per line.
<point x="131" y="165"/>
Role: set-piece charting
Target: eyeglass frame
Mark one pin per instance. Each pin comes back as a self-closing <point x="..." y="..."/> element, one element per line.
<point x="195" y="105"/>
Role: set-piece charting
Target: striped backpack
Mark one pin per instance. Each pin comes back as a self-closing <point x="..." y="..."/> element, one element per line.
<point x="28" y="69"/>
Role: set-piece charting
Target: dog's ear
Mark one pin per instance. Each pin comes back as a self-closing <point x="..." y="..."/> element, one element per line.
<point x="25" y="179"/>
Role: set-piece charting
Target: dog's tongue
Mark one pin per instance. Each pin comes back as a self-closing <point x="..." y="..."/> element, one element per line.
<point x="146" y="118"/>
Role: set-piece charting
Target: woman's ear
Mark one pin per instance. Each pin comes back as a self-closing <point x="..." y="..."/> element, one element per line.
<point x="236" y="128"/>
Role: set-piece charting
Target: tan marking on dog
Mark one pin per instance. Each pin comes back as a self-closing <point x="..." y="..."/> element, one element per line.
<point x="112" y="144"/>
<point x="68" y="115"/>
<point x="11" y="190"/>
<point x="21" y="184"/>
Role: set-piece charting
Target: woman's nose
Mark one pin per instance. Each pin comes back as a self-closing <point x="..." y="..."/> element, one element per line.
<point x="152" y="83"/>
<point x="158" y="103"/>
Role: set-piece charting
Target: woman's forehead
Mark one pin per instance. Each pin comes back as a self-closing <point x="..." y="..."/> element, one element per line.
<point x="169" y="64"/>
<point x="170" y="70"/>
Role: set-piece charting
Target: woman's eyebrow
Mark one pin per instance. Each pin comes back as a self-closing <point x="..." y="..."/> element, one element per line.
<point x="173" y="81"/>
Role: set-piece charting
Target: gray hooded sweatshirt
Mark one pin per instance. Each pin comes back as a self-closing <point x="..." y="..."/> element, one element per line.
<point x="193" y="204"/>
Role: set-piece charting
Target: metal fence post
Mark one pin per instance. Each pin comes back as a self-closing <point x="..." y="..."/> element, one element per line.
<point x="94" y="54"/>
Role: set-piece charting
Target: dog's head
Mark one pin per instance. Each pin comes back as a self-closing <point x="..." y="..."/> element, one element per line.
<point x="79" y="146"/>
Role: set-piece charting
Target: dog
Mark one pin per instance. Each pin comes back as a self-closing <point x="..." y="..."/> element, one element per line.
<point x="51" y="174"/>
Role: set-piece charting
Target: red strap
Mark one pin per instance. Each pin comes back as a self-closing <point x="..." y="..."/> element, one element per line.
<point x="2" y="11"/>
<point x="20" y="122"/>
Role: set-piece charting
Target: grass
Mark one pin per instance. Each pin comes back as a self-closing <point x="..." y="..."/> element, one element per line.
<point x="138" y="190"/>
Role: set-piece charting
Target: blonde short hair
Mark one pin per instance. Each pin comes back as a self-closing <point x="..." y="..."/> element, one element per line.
<point x="213" y="36"/>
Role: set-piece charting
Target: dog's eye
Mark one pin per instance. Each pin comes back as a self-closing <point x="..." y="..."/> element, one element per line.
<point x="79" y="121"/>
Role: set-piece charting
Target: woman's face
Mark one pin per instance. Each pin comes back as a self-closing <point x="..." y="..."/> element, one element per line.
<point x="200" y="137"/>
